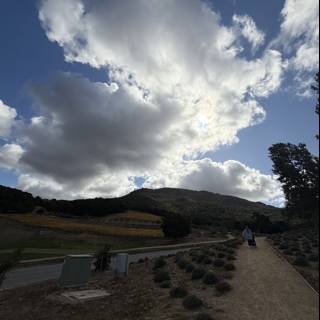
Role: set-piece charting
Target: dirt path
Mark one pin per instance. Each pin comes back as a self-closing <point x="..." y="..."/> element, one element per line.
<point x="268" y="288"/>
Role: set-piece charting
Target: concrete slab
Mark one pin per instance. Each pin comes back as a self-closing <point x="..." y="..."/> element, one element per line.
<point x="85" y="295"/>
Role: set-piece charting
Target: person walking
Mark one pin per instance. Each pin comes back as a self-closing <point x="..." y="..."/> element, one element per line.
<point x="248" y="236"/>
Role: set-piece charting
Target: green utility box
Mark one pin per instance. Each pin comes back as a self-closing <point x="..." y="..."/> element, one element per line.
<point x="76" y="270"/>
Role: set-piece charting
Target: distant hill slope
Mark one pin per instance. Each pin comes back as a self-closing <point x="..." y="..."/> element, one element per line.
<point x="198" y="205"/>
<point x="13" y="200"/>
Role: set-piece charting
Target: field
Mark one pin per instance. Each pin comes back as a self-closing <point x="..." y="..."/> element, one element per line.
<point x="69" y="225"/>
<point x="135" y="216"/>
<point x="45" y="237"/>
<point x="40" y="242"/>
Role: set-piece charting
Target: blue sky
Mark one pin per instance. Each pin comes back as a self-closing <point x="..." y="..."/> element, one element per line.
<point x="28" y="59"/>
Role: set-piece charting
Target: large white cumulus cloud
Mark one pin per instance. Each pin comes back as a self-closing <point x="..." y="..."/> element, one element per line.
<point x="86" y="127"/>
<point x="173" y="46"/>
<point x="10" y="155"/>
<point x="299" y="36"/>
<point x="177" y="88"/>
<point x="7" y="116"/>
<point x="105" y="185"/>
<point x="230" y="177"/>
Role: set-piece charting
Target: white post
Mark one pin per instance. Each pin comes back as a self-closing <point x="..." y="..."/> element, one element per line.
<point x="122" y="264"/>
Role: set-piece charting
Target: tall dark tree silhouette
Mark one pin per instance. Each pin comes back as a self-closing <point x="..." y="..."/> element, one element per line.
<point x="176" y="226"/>
<point x="298" y="171"/>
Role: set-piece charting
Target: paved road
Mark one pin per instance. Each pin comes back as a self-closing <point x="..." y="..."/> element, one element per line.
<point x="35" y="274"/>
<point x="30" y="275"/>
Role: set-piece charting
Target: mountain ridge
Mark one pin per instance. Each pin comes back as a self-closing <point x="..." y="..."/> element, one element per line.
<point x="199" y="206"/>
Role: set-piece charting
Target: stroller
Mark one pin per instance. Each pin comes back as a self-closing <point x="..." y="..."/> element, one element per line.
<point x="252" y="242"/>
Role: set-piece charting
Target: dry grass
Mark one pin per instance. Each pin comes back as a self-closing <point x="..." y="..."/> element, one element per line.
<point x="73" y="226"/>
<point x="136" y="216"/>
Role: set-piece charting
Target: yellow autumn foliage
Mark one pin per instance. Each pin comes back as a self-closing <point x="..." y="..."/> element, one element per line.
<point x="136" y="216"/>
<point x="63" y="224"/>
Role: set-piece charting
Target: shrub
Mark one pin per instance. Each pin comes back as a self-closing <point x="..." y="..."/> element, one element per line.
<point x="4" y="268"/>
<point x="201" y="258"/>
<point x="10" y="263"/>
<point x="165" y="284"/>
<point x="190" y="267"/>
<point x="229" y="267"/>
<point x="178" y="293"/>
<point x="295" y="248"/>
<point x="210" y="278"/>
<point x="178" y="257"/>
<point x="301" y="262"/>
<point x="231" y="258"/>
<point x="206" y="252"/>
<point x="159" y="263"/>
<point x="212" y="253"/>
<point x="207" y="260"/>
<point x="288" y="252"/>
<point x="218" y="263"/>
<point x="193" y="253"/>
<point x="307" y="250"/>
<point x="221" y="255"/>
<point x="198" y="273"/>
<point x="182" y="263"/>
<point x="283" y="246"/>
<point x="203" y="316"/>
<point x="161" y="276"/>
<point x="223" y="287"/>
<point x="103" y="259"/>
<point x="191" y="302"/>
<point x="313" y="258"/>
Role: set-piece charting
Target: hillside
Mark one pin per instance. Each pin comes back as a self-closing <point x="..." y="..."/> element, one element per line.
<point x="13" y="200"/>
<point x="201" y="206"/>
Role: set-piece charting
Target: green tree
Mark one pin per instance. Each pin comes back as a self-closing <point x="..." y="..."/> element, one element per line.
<point x="176" y="226"/>
<point x="298" y="171"/>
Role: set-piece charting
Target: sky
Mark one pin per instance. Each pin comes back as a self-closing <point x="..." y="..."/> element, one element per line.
<point x="101" y="97"/>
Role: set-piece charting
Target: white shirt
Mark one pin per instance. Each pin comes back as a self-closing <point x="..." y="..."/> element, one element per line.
<point x="247" y="234"/>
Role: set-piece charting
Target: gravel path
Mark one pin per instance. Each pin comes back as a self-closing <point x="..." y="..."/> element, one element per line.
<point x="267" y="287"/>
